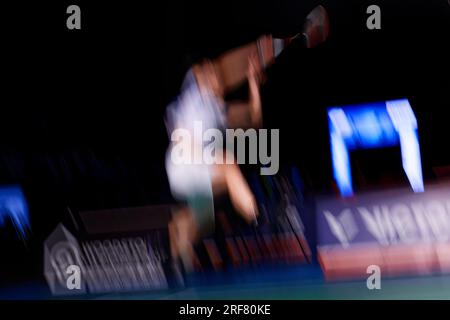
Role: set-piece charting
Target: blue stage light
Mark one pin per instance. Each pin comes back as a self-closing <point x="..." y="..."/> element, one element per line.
<point x="13" y="205"/>
<point x="374" y="125"/>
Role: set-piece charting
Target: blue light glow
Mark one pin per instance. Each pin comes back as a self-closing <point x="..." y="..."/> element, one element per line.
<point x="14" y="206"/>
<point x="374" y="125"/>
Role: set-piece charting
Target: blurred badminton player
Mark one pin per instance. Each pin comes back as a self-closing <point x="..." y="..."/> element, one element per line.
<point x="201" y="99"/>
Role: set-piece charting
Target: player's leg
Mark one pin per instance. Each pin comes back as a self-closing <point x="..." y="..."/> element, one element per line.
<point x="240" y="193"/>
<point x="191" y="184"/>
<point x="182" y="236"/>
<point x="229" y="178"/>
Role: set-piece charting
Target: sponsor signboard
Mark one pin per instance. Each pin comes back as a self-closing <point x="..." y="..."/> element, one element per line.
<point x="400" y="231"/>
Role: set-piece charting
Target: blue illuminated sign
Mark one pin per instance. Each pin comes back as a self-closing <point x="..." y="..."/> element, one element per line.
<point x="14" y="206"/>
<point x="374" y="125"/>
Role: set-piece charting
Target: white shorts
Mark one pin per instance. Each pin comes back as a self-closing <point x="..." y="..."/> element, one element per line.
<point x="192" y="183"/>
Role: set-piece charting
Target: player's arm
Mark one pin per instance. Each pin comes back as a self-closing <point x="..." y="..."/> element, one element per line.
<point x="248" y="114"/>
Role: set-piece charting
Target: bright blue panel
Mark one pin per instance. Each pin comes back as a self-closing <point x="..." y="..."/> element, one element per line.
<point x="13" y="205"/>
<point x="374" y="125"/>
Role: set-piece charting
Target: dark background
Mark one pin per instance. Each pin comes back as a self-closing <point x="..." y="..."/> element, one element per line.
<point x="81" y="122"/>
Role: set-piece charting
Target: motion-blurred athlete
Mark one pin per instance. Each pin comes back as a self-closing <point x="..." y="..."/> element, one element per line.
<point x="201" y="99"/>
